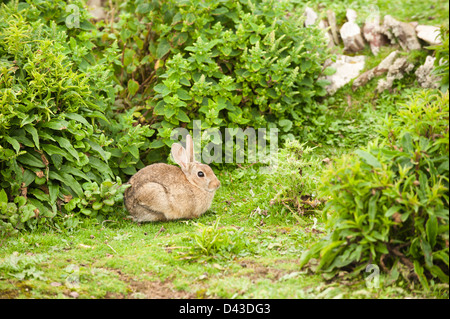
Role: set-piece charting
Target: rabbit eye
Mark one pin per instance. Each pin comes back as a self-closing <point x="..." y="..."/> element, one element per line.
<point x="200" y="174"/>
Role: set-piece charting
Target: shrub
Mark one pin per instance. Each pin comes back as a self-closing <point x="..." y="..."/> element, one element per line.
<point x="226" y="63"/>
<point x="388" y="203"/>
<point x="52" y="94"/>
<point x="442" y="58"/>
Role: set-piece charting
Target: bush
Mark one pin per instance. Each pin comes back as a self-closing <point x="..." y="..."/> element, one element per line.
<point x="53" y="93"/>
<point x="226" y="63"/>
<point x="388" y="204"/>
<point x="442" y="58"/>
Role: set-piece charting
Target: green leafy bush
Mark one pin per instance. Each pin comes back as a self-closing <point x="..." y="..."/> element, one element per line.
<point x="226" y="63"/>
<point x="388" y="203"/>
<point x="52" y="94"/>
<point x="98" y="201"/>
<point x="442" y="58"/>
<point x="214" y="242"/>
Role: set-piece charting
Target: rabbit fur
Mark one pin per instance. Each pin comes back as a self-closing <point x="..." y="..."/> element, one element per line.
<point x="161" y="192"/>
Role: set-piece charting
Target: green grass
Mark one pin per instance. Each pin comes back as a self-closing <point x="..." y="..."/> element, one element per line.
<point x="257" y="257"/>
<point x="249" y="244"/>
<point x="432" y="12"/>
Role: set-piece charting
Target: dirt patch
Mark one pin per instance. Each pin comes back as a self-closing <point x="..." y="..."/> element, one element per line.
<point x="256" y="271"/>
<point x="146" y="289"/>
<point x="8" y="294"/>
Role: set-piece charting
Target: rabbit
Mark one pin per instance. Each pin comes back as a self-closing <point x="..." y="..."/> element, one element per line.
<point x="161" y="192"/>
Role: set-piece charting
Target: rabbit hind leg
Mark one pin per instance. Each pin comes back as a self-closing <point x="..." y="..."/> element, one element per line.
<point x="152" y="203"/>
<point x="144" y="213"/>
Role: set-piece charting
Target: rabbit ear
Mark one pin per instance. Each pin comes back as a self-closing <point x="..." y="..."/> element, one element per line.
<point x="190" y="148"/>
<point x="179" y="155"/>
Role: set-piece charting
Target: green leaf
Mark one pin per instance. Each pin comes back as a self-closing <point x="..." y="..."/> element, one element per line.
<point x="157" y="144"/>
<point x="78" y="118"/>
<point x="28" y="177"/>
<point x="432" y="229"/>
<point x="183" y="94"/>
<point x="53" y="149"/>
<point x="75" y="172"/>
<point x="161" y="88"/>
<point x="182" y="116"/>
<point x="3" y="196"/>
<point x="437" y="272"/>
<point x="97" y="114"/>
<point x="105" y="156"/>
<point x="162" y="49"/>
<point x="67" y="180"/>
<point x="100" y="166"/>
<point x="418" y="269"/>
<point x="133" y="87"/>
<point x="43" y="210"/>
<point x="128" y="56"/>
<point x="30" y="160"/>
<point x="427" y="252"/>
<point x="34" y="134"/>
<point x="407" y="143"/>
<point x="72" y="204"/>
<point x="329" y="71"/>
<point x="134" y="150"/>
<point x="372" y="210"/>
<point x="368" y="158"/>
<point x="391" y="211"/>
<point x="143" y="8"/>
<point x="286" y="125"/>
<point x="27" y="212"/>
<point x="13" y="142"/>
<point x="169" y="111"/>
<point x="53" y="191"/>
<point x="29" y="119"/>
<point x="97" y="205"/>
<point x="65" y="143"/>
<point x="56" y="125"/>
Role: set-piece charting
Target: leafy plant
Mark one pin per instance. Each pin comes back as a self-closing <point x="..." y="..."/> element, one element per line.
<point x="98" y="201"/>
<point x="226" y="63"/>
<point x="22" y="266"/>
<point x="212" y="242"/>
<point x="388" y="203"/>
<point x="442" y="58"/>
<point x="52" y="96"/>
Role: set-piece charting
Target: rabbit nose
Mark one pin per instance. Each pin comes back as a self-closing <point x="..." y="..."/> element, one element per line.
<point x="215" y="184"/>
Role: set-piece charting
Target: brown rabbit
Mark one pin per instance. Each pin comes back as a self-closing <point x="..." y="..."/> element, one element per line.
<point x="162" y="192"/>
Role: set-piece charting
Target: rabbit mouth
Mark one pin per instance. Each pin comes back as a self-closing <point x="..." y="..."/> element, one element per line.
<point x="213" y="186"/>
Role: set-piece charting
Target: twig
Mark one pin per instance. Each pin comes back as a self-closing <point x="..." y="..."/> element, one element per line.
<point x="159" y="231"/>
<point x="111" y="248"/>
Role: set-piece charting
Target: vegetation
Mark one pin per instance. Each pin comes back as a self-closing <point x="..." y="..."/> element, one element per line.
<point x="389" y="202"/>
<point x="50" y="138"/>
<point x="362" y="177"/>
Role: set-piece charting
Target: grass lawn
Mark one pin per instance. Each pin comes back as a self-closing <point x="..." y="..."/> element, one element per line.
<point x="247" y="246"/>
<point x="249" y="243"/>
